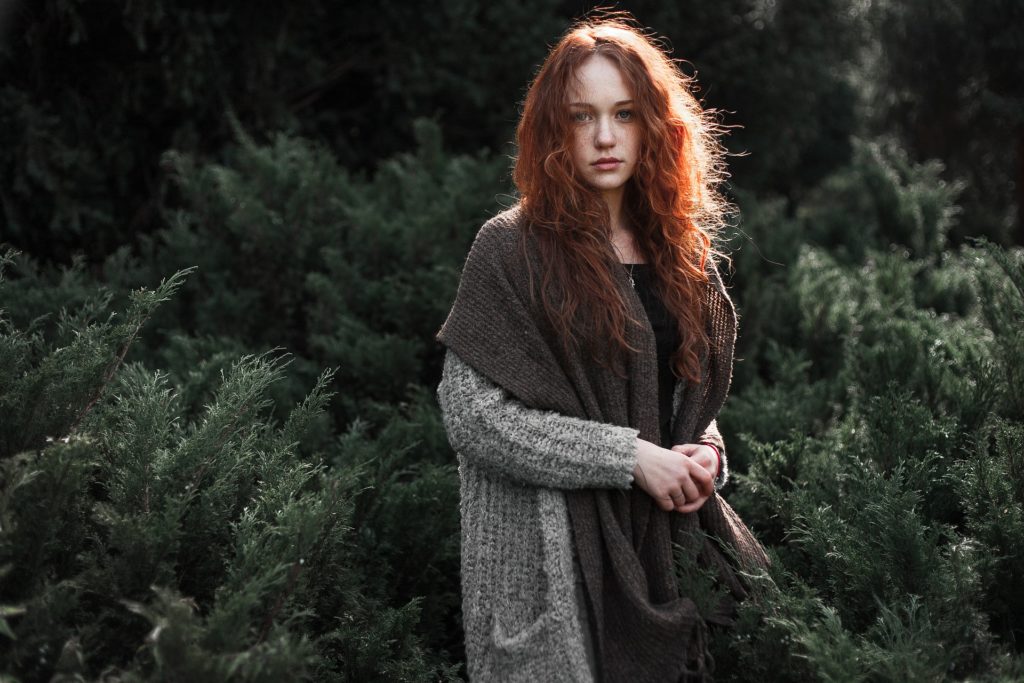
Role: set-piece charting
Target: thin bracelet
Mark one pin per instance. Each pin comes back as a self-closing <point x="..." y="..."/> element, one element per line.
<point x="717" y="455"/>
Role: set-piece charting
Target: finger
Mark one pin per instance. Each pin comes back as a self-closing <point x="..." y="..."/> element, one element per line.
<point x="701" y="476"/>
<point x="690" y="489"/>
<point x="666" y="503"/>
<point x="707" y="490"/>
<point x="712" y="457"/>
<point x="707" y="462"/>
<point x="703" y="479"/>
<point x="693" y="505"/>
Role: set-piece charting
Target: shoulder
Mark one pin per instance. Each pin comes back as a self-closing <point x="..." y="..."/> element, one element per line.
<point x="713" y="267"/>
<point x="497" y="241"/>
<point x="719" y="298"/>
<point x="502" y="230"/>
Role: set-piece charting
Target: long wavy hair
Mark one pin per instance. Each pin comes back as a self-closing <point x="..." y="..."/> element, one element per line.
<point x="672" y="201"/>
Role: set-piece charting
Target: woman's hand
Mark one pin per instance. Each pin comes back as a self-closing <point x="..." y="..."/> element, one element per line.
<point x="674" y="479"/>
<point x="705" y="455"/>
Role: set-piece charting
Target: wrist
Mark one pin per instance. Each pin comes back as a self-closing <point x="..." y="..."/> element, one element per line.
<point x="718" y="457"/>
<point x="640" y="457"/>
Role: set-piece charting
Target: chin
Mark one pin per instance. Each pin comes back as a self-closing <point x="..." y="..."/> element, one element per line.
<point x="608" y="184"/>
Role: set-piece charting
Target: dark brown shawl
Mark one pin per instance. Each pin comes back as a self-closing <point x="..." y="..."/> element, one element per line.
<point x="645" y="630"/>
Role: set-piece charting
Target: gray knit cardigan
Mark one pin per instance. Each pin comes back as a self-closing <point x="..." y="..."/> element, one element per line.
<point x="518" y="594"/>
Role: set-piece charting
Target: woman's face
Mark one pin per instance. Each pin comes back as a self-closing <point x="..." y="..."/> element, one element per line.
<point x="606" y="140"/>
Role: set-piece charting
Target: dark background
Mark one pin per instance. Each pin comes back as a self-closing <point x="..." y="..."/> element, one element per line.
<point x="95" y="92"/>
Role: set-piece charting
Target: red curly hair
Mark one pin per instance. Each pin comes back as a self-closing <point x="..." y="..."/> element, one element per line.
<point x="672" y="202"/>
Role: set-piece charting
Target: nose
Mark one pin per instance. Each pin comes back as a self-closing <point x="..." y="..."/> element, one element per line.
<point x="604" y="135"/>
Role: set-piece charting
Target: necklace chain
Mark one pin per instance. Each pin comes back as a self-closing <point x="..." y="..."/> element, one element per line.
<point x="632" y="282"/>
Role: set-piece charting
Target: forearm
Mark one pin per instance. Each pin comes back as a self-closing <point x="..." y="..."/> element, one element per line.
<point x="536" y="447"/>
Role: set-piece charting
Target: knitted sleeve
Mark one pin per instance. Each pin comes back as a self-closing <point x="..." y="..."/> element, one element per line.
<point x="713" y="436"/>
<point x="536" y="447"/>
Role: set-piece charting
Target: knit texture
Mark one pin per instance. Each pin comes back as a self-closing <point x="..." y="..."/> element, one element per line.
<point x="500" y="440"/>
<point x="645" y="630"/>
<point x="540" y="447"/>
<point x="519" y="605"/>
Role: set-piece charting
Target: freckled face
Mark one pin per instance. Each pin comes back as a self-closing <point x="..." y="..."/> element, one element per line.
<point x="606" y="140"/>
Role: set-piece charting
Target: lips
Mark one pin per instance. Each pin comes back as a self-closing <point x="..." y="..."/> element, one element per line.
<point x="607" y="164"/>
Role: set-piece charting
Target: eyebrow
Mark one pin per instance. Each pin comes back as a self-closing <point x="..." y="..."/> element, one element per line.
<point x="586" y="105"/>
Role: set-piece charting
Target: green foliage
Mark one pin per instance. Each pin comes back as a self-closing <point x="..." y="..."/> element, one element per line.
<point x="702" y="586"/>
<point x="144" y="544"/>
<point x="993" y="493"/>
<point x="881" y="440"/>
<point x="974" y="127"/>
<point x="882" y="198"/>
<point x="294" y="251"/>
<point x="48" y="391"/>
<point x="1002" y="301"/>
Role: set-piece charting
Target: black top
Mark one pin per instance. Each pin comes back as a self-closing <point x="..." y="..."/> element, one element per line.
<point x="666" y="337"/>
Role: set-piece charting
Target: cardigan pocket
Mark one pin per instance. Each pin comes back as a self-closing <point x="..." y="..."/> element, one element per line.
<point x="521" y="655"/>
<point x="522" y="609"/>
<point x="523" y="640"/>
<point x="528" y="655"/>
<point x="529" y="623"/>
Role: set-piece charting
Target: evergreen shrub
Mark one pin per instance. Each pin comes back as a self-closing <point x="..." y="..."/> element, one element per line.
<point x="138" y="543"/>
<point x="882" y="455"/>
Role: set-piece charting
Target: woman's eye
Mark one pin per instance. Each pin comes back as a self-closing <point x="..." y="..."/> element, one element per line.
<point x="625" y="115"/>
<point x="580" y="116"/>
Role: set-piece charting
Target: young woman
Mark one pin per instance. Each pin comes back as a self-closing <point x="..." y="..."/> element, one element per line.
<point x="589" y="350"/>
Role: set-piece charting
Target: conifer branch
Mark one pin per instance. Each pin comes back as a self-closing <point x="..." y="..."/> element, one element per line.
<point x="293" y="578"/>
<point x="108" y="374"/>
<point x="144" y="305"/>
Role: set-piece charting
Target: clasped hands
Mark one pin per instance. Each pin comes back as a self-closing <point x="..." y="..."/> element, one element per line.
<point x="681" y="478"/>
